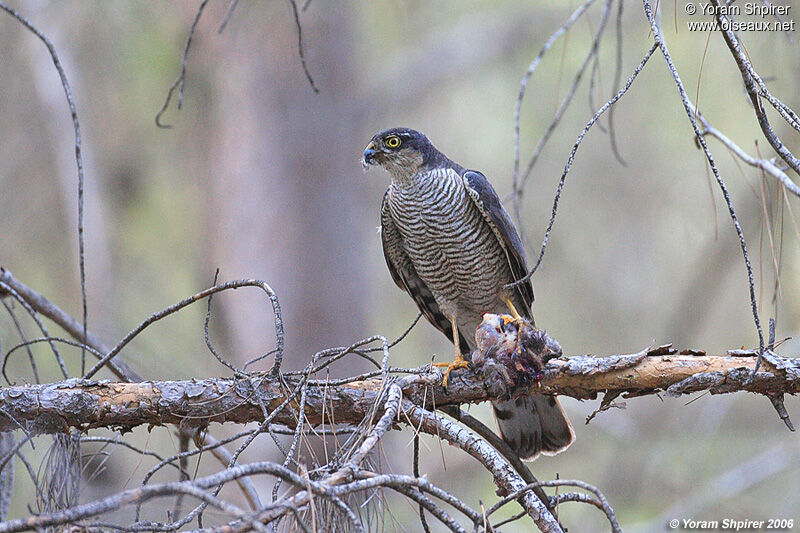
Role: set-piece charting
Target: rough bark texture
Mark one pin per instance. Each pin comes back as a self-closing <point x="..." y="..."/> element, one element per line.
<point x="50" y="408"/>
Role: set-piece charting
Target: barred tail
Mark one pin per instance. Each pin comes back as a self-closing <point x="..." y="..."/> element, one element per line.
<point x="534" y="424"/>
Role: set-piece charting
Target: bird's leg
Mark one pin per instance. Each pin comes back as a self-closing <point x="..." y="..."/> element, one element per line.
<point x="459" y="361"/>
<point x="515" y="316"/>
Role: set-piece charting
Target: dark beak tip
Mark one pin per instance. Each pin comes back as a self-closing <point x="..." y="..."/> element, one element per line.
<point x="369" y="158"/>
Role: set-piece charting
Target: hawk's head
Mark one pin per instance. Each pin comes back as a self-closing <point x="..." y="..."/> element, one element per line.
<point x="403" y="152"/>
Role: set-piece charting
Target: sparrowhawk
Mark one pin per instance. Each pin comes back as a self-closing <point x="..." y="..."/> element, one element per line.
<point x="450" y="244"/>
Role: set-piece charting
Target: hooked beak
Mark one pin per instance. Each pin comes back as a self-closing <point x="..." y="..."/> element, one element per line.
<point x="369" y="154"/>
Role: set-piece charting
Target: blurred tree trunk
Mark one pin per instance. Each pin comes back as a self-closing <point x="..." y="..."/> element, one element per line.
<point x="285" y="172"/>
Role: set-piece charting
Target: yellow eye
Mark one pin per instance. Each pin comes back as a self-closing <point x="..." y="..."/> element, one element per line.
<point x="393" y="141"/>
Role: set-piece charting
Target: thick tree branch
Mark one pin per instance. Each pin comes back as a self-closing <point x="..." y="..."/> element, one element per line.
<point x="49" y="408"/>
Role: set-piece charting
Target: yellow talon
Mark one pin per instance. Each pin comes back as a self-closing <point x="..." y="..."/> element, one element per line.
<point x="460" y="362"/>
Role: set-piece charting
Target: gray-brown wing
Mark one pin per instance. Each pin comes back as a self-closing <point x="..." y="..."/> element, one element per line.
<point x="484" y="196"/>
<point x="405" y="276"/>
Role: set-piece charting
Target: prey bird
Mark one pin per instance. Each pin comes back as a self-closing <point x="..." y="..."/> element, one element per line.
<point x="450" y="244"/>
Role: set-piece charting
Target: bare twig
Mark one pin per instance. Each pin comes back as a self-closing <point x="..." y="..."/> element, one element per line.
<point x="228" y="15"/>
<point x="599" y="500"/>
<point x="592" y="53"/>
<point x="7" y="444"/>
<point x="617" y="81"/>
<point x="76" y="126"/>
<point x="500" y="445"/>
<point x="204" y="442"/>
<point x="756" y="89"/>
<point x="30" y="310"/>
<point x="766" y="165"/>
<point x="196" y="488"/>
<point x="423" y="522"/>
<point x="659" y="41"/>
<point x="526" y="78"/>
<point x="190" y="300"/>
<point x="46" y="308"/>
<point x="49" y="340"/>
<point x="503" y="475"/>
<point x="301" y="52"/>
<point x="180" y="81"/>
<point x="571" y="158"/>
<point x="22" y="336"/>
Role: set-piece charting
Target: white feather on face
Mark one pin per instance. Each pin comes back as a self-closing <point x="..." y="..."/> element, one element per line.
<point x="401" y="164"/>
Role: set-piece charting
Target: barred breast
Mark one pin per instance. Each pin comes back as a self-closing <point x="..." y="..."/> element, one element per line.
<point x="453" y="249"/>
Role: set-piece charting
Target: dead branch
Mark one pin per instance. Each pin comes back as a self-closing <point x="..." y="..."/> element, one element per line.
<point x="658" y="39"/>
<point x="180" y="81"/>
<point x="85" y="404"/>
<point x="768" y="166"/>
<point x="756" y="89"/>
<point x="41" y="305"/>
<point x="76" y="126"/>
<point x="504" y="476"/>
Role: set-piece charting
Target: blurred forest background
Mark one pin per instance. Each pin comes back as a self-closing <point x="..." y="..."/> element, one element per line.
<point x="261" y="177"/>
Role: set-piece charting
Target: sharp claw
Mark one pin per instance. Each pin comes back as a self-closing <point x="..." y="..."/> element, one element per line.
<point x="449" y="367"/>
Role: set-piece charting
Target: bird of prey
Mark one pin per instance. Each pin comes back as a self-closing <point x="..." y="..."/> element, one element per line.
<point x="450" y="244"/>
